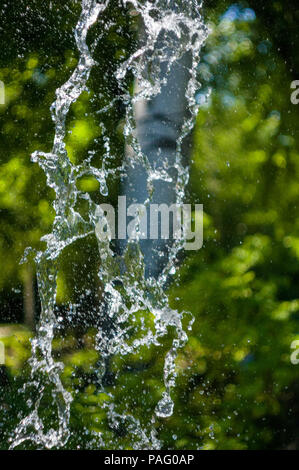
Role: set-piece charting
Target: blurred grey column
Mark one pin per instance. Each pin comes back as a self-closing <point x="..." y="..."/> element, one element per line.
<point x="158" y="127"/>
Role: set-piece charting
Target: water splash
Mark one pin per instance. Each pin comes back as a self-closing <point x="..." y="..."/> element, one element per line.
<point x="171" y="29"/>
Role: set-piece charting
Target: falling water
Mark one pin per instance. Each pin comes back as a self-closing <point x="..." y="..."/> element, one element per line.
<point x="127" y="292"/>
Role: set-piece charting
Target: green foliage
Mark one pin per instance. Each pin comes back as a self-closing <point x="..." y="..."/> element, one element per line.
<point x="236" y="378"/>
<point x="236" y="386"/>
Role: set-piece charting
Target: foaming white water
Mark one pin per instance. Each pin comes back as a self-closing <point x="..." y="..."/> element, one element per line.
<point x="171" y="29"/>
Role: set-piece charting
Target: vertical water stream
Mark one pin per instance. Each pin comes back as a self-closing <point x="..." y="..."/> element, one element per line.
<point x="171" y="29"/>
